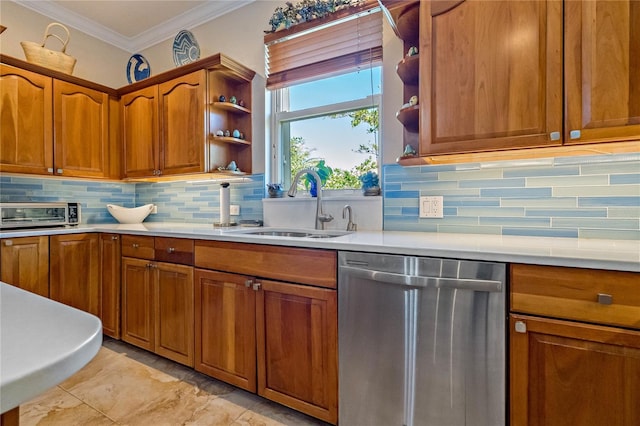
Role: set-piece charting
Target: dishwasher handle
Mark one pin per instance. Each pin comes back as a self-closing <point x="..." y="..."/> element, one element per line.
<point x="418" y="281"/>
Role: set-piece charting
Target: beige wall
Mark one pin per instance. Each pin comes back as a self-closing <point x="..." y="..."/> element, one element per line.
<point x="96" y="60"/>
<point x="239" y="34"/>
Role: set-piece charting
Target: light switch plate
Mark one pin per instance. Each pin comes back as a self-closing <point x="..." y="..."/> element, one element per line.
<point x="431" y="207"/>
<point x="234" y="210"/>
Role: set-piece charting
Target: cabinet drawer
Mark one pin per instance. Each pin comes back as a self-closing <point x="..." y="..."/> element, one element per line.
<point x="137" y="246"/>
<point x="174" y="250"/>
<point x="300" y="265"/>
<point x="605" y="297"/>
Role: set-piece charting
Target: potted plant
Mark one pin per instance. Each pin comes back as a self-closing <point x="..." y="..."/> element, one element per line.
<point x="370" y="183"/>
<point x="323" y="171"/>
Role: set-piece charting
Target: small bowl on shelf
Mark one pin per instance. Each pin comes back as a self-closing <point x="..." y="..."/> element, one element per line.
<point x="130" y="215"/>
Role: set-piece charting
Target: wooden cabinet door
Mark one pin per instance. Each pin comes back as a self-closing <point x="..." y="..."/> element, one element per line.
<point x="182" y="123"/>
<point x="74" y="271"/>
<point x="138" y="315"/>
<point x="602" y="70"/>
<point x="140" y="130"/>
<point x="566" y="373"/>
<point x="110" y="261"/>
<point x="81" y="130"/>
<point x="226" y="328"/>
<point x="297" y="337"/>
<point x="490" y="75"/>
<point x="26" y="122"/>
<point x="173" y="303"/>
<point x="25" y="263"/>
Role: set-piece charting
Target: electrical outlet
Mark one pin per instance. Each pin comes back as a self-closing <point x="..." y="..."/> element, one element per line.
<point x="154" y="209"/>
<point x="234" y="210"/>
<point x="431" y="206"/>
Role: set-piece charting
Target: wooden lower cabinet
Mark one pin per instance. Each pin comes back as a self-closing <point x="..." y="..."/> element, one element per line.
<point x="297" y="336"/>
<point x="110" y="300"/>
<point x="74" y="271"/>
<point x="226" y="328"/>
<point x="565" y="372"/>
<point x="274" y="338"/>
<point x="25" y="263"/>
<point x="158" y="308"/>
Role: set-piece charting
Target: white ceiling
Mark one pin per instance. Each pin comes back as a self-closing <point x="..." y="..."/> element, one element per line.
<point x="135" y="24"/>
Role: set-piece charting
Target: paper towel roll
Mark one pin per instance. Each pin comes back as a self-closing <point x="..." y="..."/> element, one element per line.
<point x="225" y="203"/>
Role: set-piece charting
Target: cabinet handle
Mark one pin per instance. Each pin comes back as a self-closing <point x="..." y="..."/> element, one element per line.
<point x="248" y="283"/>
<point x="171" y="250"/>
<point x="8" y="243"/>
<point x="135" y="245"/>
<point x="256" y="286"/>
<point x="521" y="327"/>
<point x="151" y="265"/>
<point x="605" y="299"/>
<point x="59" y="171"/>
<point x="554" y="136"/>
<point x="50" y="170"/>
<point x="574" y="134"/>
<point x="114" y="237"/>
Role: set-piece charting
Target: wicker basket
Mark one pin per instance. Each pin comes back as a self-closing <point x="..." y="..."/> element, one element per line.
<point x="39" y="55"/>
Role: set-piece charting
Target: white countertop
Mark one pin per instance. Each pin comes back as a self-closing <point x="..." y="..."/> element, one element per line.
<point x="42" y="343"/>
<point x="623" y="255"/>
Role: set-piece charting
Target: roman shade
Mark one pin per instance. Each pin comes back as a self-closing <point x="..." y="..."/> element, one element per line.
<point x="332" y="45"/>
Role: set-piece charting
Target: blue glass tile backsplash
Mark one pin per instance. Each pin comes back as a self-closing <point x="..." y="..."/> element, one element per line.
<point x="585" y="197"/>
<point x="577" y="197"/>
<point x="177" y="201"/>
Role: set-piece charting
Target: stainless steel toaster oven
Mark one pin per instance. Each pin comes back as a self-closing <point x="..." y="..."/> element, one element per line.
<point x="35" y="215"/>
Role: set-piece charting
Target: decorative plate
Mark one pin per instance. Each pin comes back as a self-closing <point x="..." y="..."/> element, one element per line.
<point x="185" y="48"/>
<point x="137" y="68"/>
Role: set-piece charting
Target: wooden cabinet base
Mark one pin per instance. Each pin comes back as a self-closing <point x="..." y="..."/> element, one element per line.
<point x="10" y="418"/>
<point x="565" y="373"/>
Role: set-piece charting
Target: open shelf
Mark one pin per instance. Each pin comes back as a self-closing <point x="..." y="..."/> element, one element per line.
<point x="228" y="106"/>
<point x="229" y="139"/>
<point x="409" y="70"/>
<point x="410" y="118"/>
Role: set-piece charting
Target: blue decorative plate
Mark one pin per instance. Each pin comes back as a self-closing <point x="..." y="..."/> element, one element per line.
<point x="185" y="48"/>
<point x="137" y="68"/>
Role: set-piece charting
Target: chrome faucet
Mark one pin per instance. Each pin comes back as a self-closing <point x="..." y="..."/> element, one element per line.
<point x="350" y="225"/>
<point x="321" y="217"/>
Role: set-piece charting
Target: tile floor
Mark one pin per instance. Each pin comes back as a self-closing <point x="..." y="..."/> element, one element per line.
<point x="124" y="385"/>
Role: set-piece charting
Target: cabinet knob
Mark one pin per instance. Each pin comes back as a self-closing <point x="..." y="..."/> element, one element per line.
<point x="8" y="243"/>
<point x="135" y="245"/>
<point x="554" y="136"/>
<point x="248" y="283"/>
<point x="521" y="327"/>
<point x="256" y="286"/>
<point x="114" y="237"/>
<point x="59" y="171"/>
<point x="50" y="170"/>
<point x="605" y="299"/>
<point x="574" y="134"/>
<point x="171" y="250"/>
<point x="151" y="265"/>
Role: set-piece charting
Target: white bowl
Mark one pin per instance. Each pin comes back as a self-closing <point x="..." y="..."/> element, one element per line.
<point x="130" y="215"/>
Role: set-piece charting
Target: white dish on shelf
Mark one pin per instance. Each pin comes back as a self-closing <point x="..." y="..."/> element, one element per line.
<point x="130" y="215"/>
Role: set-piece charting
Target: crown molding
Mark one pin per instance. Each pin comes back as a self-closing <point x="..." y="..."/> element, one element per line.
<point x="161" y="32"/>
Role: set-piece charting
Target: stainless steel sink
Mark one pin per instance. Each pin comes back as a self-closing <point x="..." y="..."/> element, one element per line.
<point x="292" y="233"/>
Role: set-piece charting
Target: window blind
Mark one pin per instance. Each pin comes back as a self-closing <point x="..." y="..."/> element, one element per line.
<point x="333" y="47"/>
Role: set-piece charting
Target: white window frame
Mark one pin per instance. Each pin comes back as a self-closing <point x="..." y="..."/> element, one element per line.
<point x="279" y="102"/>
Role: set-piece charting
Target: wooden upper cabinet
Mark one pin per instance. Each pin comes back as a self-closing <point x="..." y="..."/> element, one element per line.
<point x="81" y="130"/>
<point x="183" y="130"/>
<point x="602" y="71"/>
<point x="140" y="132"/>
<point x="490" y="75"/>
<point x="26" y="125"/>
<point x="164" y="127"/>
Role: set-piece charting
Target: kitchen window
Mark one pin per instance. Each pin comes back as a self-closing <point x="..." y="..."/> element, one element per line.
<point x="325" y="84"/>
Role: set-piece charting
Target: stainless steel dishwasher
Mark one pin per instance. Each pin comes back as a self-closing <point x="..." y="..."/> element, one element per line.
<point x="421" y="341"/>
